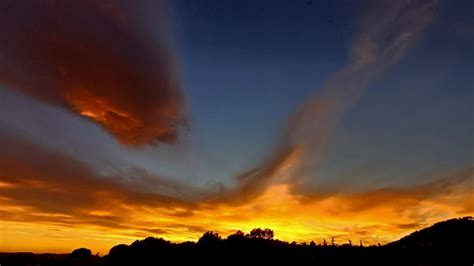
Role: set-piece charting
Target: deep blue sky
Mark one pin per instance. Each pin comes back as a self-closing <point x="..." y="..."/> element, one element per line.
<point x="247" y="65"/>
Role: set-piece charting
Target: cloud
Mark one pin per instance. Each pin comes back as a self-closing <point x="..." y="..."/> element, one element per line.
<point x="384" y="34"/>
<point x="42" y="190"/>
<point x="445" y="185"/>
<point x="107" y="61"/>
<point x="48" y="181"/>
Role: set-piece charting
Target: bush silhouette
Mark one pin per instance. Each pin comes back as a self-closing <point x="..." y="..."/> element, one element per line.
<point x="81" y="253"/>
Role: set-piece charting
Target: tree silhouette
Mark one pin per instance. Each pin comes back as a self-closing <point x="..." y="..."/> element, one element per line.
<point x="237" y="236"/>
<point x="261" y="233"/>
<point x="209" y="238"/>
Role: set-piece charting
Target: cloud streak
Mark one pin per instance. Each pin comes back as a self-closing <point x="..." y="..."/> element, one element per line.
<point x="385" y="32"/>
<point x="97" y="59"/>
<point x="39" y="177"/>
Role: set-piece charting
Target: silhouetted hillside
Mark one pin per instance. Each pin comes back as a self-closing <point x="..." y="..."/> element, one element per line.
<point x="450" y="233"/>
<point x="445" y="243"/>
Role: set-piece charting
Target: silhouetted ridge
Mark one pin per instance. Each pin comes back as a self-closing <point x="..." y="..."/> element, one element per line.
<point x="445" y="243"/>
<point x="451" y="233"/>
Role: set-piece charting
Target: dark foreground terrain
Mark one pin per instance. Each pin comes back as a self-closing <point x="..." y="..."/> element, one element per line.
<point x="446" y="243"/>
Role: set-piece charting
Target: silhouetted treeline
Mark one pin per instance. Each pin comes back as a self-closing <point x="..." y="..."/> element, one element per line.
<point x="445" y="243"/>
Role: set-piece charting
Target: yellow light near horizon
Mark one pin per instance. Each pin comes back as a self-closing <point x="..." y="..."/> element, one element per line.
<point x="276" y="208"/>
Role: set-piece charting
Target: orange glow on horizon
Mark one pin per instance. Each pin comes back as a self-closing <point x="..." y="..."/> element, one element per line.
<point x="276" y="208"/>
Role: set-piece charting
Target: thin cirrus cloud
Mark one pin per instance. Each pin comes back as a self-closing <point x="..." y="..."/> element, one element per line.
<point x="98" y="60"/>
<point x="385" y="32"/>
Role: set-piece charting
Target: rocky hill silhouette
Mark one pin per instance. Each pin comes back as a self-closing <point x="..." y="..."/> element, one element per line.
<point x="445" y="243"/>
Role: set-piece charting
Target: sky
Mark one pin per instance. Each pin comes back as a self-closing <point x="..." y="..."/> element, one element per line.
<point x="121" y="120"/>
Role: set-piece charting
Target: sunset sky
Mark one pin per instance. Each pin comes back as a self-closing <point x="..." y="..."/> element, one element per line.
<point x="318" y="119"/>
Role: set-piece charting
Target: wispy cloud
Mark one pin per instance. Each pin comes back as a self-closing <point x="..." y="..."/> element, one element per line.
<point x="384" y="34"/>
<point x="39" y="177"/>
